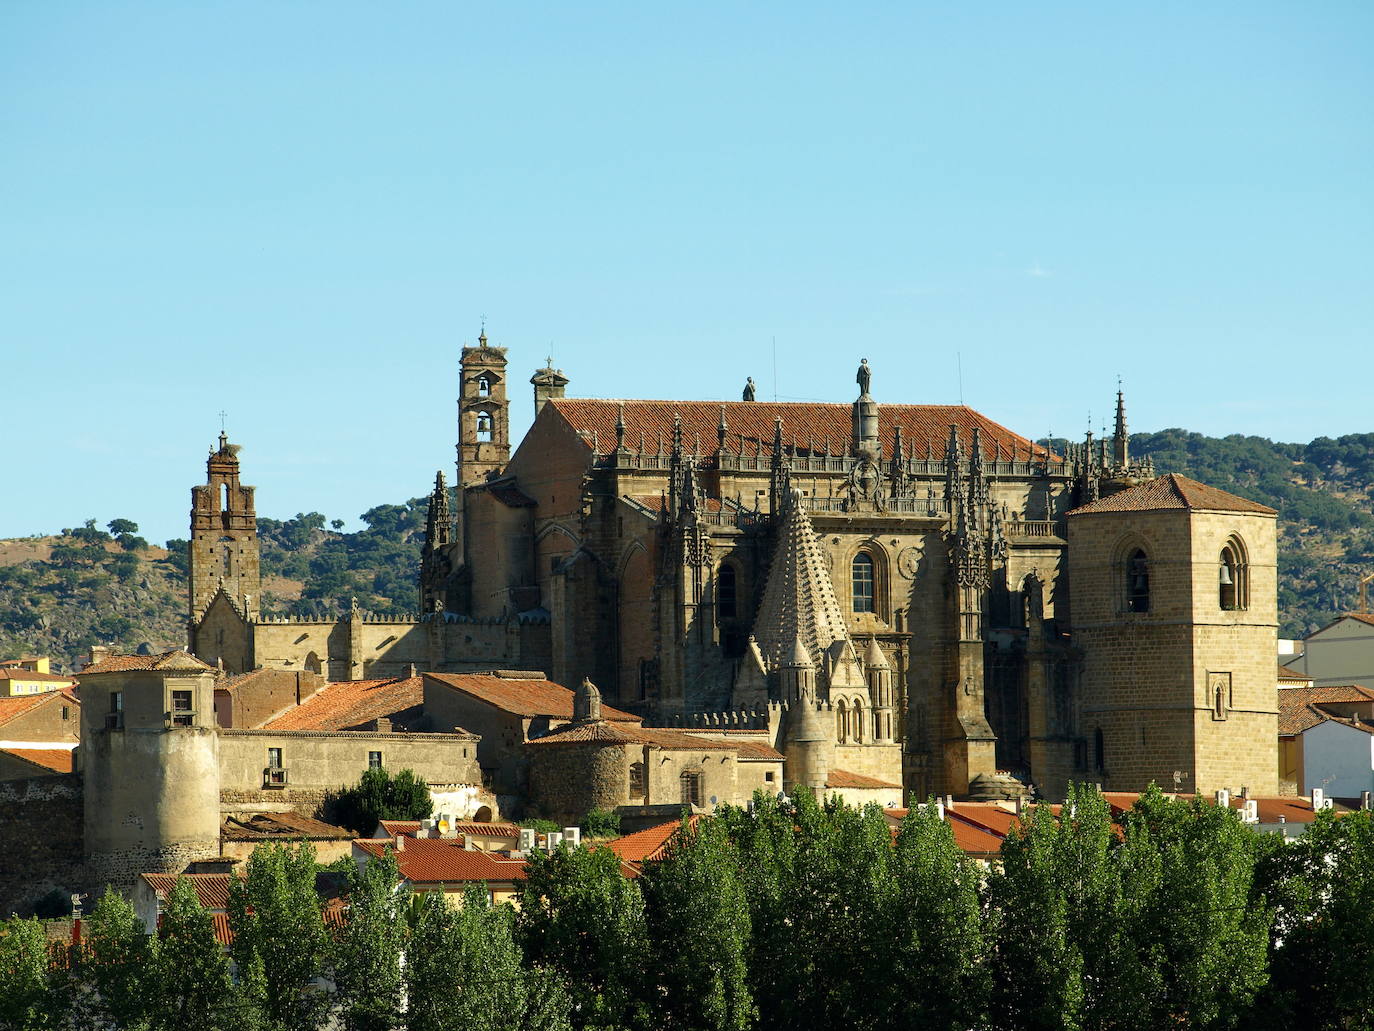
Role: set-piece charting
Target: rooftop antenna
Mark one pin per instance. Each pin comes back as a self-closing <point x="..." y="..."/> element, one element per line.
<point x="222" y="416"/>
<point x="959" y="365"/>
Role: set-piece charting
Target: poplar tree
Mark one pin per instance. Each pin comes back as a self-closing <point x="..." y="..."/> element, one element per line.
<point x="463" y="972"/>
<point x="580" y="916"/>
<point x="188" y="984"/>
<point x="279" y="936"/>
<point x="115" y="963"/>
<point x="938" y="974"/>
<point x="698" y="925"/>
<point x="367" y="953"/>
<point x="26" y="989"/>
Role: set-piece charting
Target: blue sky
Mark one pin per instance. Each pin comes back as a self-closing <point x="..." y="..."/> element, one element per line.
<point x="298" y="213"/>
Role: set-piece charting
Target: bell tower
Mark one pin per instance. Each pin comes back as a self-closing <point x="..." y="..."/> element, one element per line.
<point x="224" y="537"/>
<point x="483" y="413"/>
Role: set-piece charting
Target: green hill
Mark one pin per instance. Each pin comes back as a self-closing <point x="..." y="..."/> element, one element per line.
<point x="61" y="594"/>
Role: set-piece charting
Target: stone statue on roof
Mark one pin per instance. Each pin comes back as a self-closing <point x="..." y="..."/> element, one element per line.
<point x="864" y="377"/>
<point x="749" y="389"/>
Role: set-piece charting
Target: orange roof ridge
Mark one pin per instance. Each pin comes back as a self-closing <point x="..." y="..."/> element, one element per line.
<point x="1172" y="491"/>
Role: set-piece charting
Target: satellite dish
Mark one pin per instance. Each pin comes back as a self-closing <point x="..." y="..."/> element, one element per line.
<point x="713" y="800"/>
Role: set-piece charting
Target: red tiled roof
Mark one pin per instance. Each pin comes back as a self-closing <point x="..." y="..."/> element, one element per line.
<point x="804" y="425"/>
<point x="445" y="861"/>
<point x="1288" y="673"/>
<point x="212" y="889"/>
<point x="1171" y="491"/>
<point x="649" y="845"/>
<point x="754" y="749"/>
<point x="349" y="704"/>
<point x="613" y="734"/>
<point x="174" y="660"/>
<point x="972" y="839"/>
<point x="395" y="827"/>
<point x="536" y="696"/>
<point x="30" y="676"/>
<point x="659" y="502"/>
<point x="59" y="760"/>
<point x="1293" y="810"/>
<point x="13" y="708"/>
<point x="224" y="934"/>
<point x="845" y="779"/>
<point x="410" y="828"/>
<point x="1300" y="707"/>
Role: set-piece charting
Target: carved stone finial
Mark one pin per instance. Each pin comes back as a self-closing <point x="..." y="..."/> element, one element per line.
<point x="749" y="389"/>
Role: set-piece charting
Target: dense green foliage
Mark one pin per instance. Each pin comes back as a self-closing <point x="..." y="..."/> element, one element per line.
<point x="786" y="914"/>
<point x="379" y="796"/>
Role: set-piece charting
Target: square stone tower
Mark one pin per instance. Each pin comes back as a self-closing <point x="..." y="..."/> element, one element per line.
<point x="1174" y="608"/>
<point x="224" y="537"/>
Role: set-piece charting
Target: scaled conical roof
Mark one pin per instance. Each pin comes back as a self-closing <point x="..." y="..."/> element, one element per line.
<point x="799" y="602"/>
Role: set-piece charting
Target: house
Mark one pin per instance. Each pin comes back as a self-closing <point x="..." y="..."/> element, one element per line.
<point x="241" y="833"/>
<point x="1342" y="652"/>
<point x="446" y="865"/>
<point x="1326" y="739"/>
<point x="39" y="734"/>
<point x="30" y="676"/>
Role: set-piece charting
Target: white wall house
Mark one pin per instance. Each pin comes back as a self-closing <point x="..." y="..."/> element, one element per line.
<point x="1341" y="652"/>
<point x="1338" y="758"/>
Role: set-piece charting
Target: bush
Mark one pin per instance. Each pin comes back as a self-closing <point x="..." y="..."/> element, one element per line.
<point x="602" y="823"/>
<point x="379" y="796"/>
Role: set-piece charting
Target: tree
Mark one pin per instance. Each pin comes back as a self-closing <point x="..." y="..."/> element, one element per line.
<point x="279" y="935"/>
<point x="698" y="925"/>
<point x="367" y="953"/>
<point x="121" y="526"/>
<point x="188" y="984"/>
<point x="1322" y="944"/>
<point x="602" y="823"/>
<point x="939" y="976"/>
<point x="463" y="972"/>
<point x="579" y="915"/>
<point x="379" y="796"/>
<point x="25" y="984"/>
<point x="115" y="963"/>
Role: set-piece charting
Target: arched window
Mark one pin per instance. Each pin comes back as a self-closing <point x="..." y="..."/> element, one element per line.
<point x="1234" y="577"/>
<point x="861" y="580"/>
<point x="1137" y="582"/>
<point x="857" y="721"/>
<point x="1099" y="751"/>
<point x="483" y="386"/>
<point x="841" y="722"/>
<point x="483" y="426"/>
<point x="224" y="497"/>
<point x="726" y="588"/>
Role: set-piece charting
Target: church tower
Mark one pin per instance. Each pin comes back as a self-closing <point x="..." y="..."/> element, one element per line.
<point x="483" y="414"/>
<point x="223" y="552"/>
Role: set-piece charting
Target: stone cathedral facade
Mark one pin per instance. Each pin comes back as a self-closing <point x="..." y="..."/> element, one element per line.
<point x="910" y="593"/>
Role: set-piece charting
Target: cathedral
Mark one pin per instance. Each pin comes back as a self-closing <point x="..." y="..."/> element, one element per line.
<point x="912" y="593"/>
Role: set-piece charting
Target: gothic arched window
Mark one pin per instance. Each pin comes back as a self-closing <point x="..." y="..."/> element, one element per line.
<point x="726" y="593"/>
<point x="483" y="426"/>
<point x="861" y="582"/>
<point x="1234" y="577"/>
<point x="1099" y="751"/>
<point x="841" y="722"/>
<point x="1137" y="582"/>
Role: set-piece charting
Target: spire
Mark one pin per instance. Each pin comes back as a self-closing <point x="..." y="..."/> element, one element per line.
<point x="620" y="427"/>
<point x="722" y="429"/>
<point x="977" y="479"/>
<point x="780" y="486"/>
<point x="799" y="602"/>
<point x="1120" y="439"/>
<point x="587" y="703"/>
<point x="874" y="657"/>
<point x="954" y="486"/>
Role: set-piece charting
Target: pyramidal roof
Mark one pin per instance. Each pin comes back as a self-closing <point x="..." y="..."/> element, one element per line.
<point x="1172" y="491"/>
<point x="799" y="602"/>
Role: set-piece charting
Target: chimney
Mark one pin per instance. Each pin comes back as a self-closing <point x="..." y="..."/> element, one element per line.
<point x="412" y="672"/>
<point x="400" y="842"/>
<point x="99" y="653"/>
<point x="1244" y="793"/>
<point x="382" y="725"/>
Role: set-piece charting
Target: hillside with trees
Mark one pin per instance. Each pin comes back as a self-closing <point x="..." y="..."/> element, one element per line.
<point x="87" y="585"/>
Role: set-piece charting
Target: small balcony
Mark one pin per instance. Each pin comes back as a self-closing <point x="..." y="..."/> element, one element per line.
<point x="274" y="777"/>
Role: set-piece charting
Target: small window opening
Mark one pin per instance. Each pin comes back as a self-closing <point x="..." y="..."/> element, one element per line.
<point x="274" y="758"/>
<point x="726" y="593"/>
<point x="636" y="780"/>
<point x="374" y="760"/>
<point x="1099" y="751"/>
<point x="1231" y="574"/>
<point x="691" y="788"/>
<point x="861" y="573"/>
<point x="1138" y="582"/>
<point x="484" y="427"/>
<point x="483" y="386"/>
<point x="182" y="716"/>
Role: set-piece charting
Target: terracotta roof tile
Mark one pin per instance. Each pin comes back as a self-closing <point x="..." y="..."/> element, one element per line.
<point x="659" y="502"/>
<point x="13" y="708"/>
<point x="805" y="425"/>
<point x="1289" y="673"/>
<point x="649" y="845"/>
<point x="172" y="661"/>
<point x="1171" y="491"/>
<point x="410" y="828"/>
<point x="845" y="779"/>
<point x="349" y="704"/>
<point x="212" y="889"/>
<point x="59" y="760"/>
<point x="445" y="861"/>
<point x="603" y="732"/>
<point x="281" y="827"/>
<point x="29" y="676"/>
<point x="1300" y="707"/>
<point x="523" y="697"/>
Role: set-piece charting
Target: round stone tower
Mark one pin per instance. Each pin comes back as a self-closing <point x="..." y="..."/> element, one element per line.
<point x="149" y="757"/>
<point x="808" y="738"/>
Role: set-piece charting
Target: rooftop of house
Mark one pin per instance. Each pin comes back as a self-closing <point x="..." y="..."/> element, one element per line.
<point x="12" y="707"/>
<point x="603" y="732"/>
<point x="1300" y="708"/>
<point x="280" y="827"/>
<point x="809" y="427"/>
<point x="1169" y="492"/>
<point x="30" y="676"/>
<point x="1290" y="675"/>
<point x="650" y="844"/>
<point x="354" y="704"/>
<point x="473" y="828"/>
<point x="58" y="760"/>
<point x="845" y="779"/>
<point x="175" y="661"/>
<point x="521" y="693"/>
<point x="444" y="861"/>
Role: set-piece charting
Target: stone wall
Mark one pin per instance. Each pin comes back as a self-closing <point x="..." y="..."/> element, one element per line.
<point x="567" y="781"/>
<point x="40" y="841"/>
